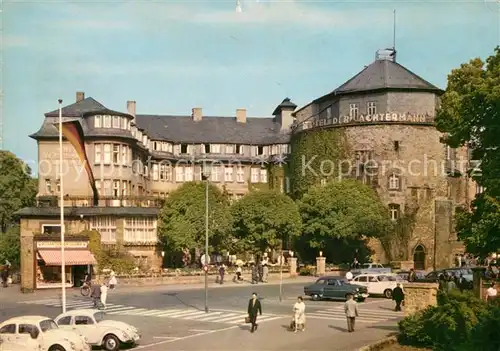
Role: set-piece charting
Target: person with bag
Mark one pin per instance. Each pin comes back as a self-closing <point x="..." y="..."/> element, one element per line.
<point x="299" y="315"/>
<point x="254" y="307"/>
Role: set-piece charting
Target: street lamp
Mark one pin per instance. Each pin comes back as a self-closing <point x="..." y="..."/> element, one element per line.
<point x="206" y="177"/>
<point x="162" y="259"/>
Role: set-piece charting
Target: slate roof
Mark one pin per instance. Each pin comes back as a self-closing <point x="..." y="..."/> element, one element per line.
<point x="178" y="129"/>
<point x="385" y="74"/>
<point x="286" y="103"/>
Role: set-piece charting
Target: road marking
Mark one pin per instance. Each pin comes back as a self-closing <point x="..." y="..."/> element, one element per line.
<point x="201" y="330"/>
<point x="166" y="337"/>
<point x="211" y="315"/>
<point x="369" y="316"/>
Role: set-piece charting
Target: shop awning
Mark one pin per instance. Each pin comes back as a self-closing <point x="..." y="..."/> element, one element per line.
<point x="72" y="257"/>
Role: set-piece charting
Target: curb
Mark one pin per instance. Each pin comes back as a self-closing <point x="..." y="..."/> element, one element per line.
<point x="379" y="345"/>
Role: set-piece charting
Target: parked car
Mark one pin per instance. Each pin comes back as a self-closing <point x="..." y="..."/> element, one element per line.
<point x="335" y="288"/>
<point x="371" y="268"/>
<point x="108" y="334"/>
<point x="28" y="333"/>
<point x="378" y="284"/>
<point x="405" y="274"/>
<point x="433" y="277"/>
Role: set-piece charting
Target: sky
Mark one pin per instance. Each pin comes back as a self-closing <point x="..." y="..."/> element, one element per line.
<point x="171" y="56"/>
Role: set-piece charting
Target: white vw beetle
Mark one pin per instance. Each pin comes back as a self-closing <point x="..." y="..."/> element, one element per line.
<point x="98" y="331"/>
<point x="28" y="333"/>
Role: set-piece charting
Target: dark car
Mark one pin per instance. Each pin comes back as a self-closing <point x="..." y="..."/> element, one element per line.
<point x="433" y="277"/>
<point x="405" y="274"/>
<point x="335" y="288"/>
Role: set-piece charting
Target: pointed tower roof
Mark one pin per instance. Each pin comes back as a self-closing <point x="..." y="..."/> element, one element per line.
<point x="286" y="103"/>
<point x="77" y="109"/>
<point x="385" y="74"/>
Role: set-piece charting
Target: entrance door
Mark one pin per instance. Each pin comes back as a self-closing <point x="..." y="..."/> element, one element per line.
<point x="419" y="258"/>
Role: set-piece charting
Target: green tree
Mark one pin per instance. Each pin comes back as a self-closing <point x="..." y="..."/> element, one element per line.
<point x="10" y="246"/>
<point x="264" y="219"/>
<point x="346" y="210"/>
<point x="470" y="115"/>
<point x="181" y="221"/>
<point x="17" y="188"/>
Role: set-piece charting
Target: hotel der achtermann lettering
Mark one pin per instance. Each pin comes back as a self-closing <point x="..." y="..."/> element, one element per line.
<point x="386" y="111"/>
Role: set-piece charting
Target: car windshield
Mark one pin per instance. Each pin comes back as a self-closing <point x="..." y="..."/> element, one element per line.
<point x="47" y="324"/>
<point x="99" y="316"/>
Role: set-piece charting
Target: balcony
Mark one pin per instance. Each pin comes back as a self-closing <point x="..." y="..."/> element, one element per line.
<point x="105" y="201"/>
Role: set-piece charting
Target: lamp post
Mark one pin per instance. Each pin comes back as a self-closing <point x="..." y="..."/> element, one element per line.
<point x="61" y="200"/>
<point x="163" y="259"/>
<point x="206" y="178"/>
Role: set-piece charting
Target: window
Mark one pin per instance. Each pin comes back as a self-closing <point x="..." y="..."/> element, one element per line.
<point x="116" y="154"/>
<point x="239" y="149"/>
<point x="188" y="174"/>
<point x="353" y="110"/>
<point x="371" y="108"/>
<point x="107" y="188"/>
<point x="263" y="175"/>
<point x="394" y="182"/>
<point x="215" y="148"/>
<point x="48" y="186"/>
<point x="260" y="150"/>
<point x="124" y="122"/>
<point x="116" y="188"/>
<point x="156" y="172"/>
<point x="329" y="112"/>
<point x="106" y="121"/>
<point x="98" y="186"/>
<point x="140" y="230"/>
<point x="396" y="145"/>
<point x="27" y="329"/>
<point x="107" y="154"/>
<point x="394" y="211"/>
<point x="124" y="155"/>
<point x="332" y="282"/>
<point x="184" y="149"/>
<point x="179" y="174"/>
<point x="165" y="172"/>
<point x="97" y="122"/>
<point x="206" y="148"/>
<point x="216" y="174"/>
<point x="8" y="329"/>
<point x="240" y="175"/>
<point x="124" y="188"/>
<point x="106" y="226"/>
<point x="64" y="321"/>
<point x="228" y="174"/>
<point x="230" y="149"/>
<point x="362" y="279"/>
<point x="255" y="175"/>
<point x="83" y="320"/>
<point x="58" y="186"/>
<point x="97" y="153"/>
<point x="116" y="122"/>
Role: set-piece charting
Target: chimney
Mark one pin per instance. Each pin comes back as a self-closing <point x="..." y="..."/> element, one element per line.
<point x="241" y="115"/>
<point x="197" y="114"/>
<point x="80" y="95"/>
<point x="131" y="108"/>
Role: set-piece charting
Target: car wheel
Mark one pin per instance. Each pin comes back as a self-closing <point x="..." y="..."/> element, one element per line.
<point x="110" y="343"/>
<point x="388" y="293"/>
<point x="57" y="348"/>
<point x="315" y="297"/>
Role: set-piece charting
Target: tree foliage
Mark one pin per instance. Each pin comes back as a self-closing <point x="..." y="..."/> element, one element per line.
<point x="181" y="222"/>
<point x="470" y="115"/>
<point x="10" y="246"/>
<point x="342" y="210"/>
<point x="17" y="188"/>
<point x="264" y="219"/>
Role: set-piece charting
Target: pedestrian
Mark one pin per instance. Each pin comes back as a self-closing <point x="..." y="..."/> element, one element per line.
<point x="351" y="312"/>
<point x="260" y="271"/>
<point x="265" y="272"/>
<point x="491" y="293"/>
<point x="412" y="277"/>
<point x="5" y="276"/>
<point x="237" y="277"/>
<point x="398" y="296"/>
<point x="95" y="293"/>
<point x="349" y="275"/>
<point x="299" y="314"/>
<point x="113" y="282"/>
<point x="222" y="271"/>
<point x="255" y="274"/>
<point x="104" y="294"/>
<point x="450" y="285"/>
<point x="254" y="307"/>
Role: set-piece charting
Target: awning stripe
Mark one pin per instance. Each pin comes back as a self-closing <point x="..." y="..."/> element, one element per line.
<point x="72" y="257"/>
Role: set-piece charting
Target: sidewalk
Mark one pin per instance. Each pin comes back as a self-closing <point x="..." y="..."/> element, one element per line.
<point x="13" y="292"/>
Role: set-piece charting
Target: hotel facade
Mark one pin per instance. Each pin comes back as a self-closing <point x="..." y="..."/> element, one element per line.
<point x="385" y="111"/>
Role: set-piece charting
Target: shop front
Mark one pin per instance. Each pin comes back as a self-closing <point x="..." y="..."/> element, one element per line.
<point x="78" y="259"/>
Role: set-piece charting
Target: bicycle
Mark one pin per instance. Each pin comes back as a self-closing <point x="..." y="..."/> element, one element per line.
<point x="85" y="288"/>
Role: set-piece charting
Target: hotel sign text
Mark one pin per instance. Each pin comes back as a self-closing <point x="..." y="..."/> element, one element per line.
<point x="57" y="244"/>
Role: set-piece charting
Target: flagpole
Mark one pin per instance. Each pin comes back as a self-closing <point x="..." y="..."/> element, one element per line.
<point x="61" y="205"/>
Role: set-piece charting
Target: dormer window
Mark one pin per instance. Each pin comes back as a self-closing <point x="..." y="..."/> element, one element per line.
<point x="184" y="149"/>
<point x="215" y="148"/>
<point x="97" y="122"/>
<point x="106" y="121"/>
<point x="394" y="182"/>
<point x="116" y="122"/>
<point x="207" y="148"/>
<point x="260" y="150"/>
<point x="353" y="110"/>
<point x="371" y="108"/>
<point x="239" y="149"/>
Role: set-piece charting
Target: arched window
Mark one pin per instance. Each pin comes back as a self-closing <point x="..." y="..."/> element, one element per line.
<point x="394" y="211"/>
<point x="394" y="182"/>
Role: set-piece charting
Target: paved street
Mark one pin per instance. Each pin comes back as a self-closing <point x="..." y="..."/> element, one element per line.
<point x="166" y="315"/>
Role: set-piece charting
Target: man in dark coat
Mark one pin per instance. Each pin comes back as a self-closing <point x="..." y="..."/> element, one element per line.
<point x="254" y="307"/>
<point x="95" y="293"/>
<point x="398" y="295"/>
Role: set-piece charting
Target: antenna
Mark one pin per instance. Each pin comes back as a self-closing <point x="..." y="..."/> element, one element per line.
<point x="394" y="36"/>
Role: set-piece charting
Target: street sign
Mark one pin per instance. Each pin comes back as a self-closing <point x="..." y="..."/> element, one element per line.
<point x="204" y="261"/>
<point x="205" y="268"/>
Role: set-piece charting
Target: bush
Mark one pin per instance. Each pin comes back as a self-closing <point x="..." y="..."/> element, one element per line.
<point x="307" y="270"/>
<point x="485" y="335"/>
<point x="116" y="259"/>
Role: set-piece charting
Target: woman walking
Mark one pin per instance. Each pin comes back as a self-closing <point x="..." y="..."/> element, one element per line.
<point x="299" y="317"/>
<point x="104" y="294"/>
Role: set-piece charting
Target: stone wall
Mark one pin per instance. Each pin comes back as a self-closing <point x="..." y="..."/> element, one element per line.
<point x="418" y="296"/>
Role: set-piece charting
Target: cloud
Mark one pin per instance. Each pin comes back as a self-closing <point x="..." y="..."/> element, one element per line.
<point x="15" y="41"/>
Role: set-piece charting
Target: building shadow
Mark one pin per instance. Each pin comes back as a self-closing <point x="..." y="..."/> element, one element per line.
<point x="338" y="328"/>
<point x="176" y="296"/>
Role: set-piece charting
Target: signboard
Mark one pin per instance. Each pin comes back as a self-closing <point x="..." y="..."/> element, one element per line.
<point x="204" y="261"/>
<point x="57" y="244"/>
<point x="367" y="119"/>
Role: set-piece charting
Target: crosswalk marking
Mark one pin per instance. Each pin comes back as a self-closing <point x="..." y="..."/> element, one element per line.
<point x="367" y="316"/>
<point x="195" y="315"/>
